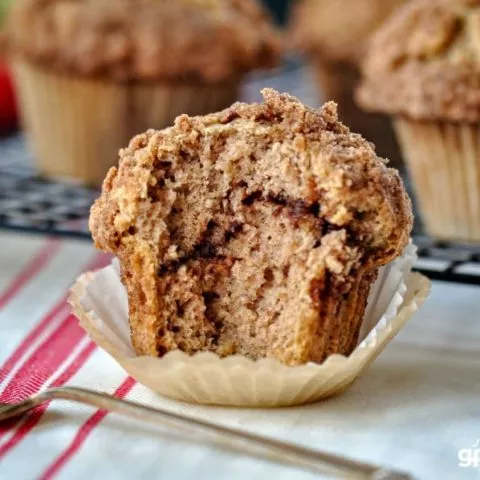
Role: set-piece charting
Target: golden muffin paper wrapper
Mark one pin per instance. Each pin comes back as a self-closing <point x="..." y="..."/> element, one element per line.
<point x="444" y="164"/>
<point x="76" y="124"/>
<point x="100" y="302"/>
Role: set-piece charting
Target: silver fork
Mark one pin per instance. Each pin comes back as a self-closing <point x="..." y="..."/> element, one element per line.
<point x="256" y="445"/>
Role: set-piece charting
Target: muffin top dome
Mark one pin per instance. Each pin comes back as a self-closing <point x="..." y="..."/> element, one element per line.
<point x="336" y="30"/>
<point x="201" y="40"/>
<point x="425" y="63"/>
<point x="278" y="149"/>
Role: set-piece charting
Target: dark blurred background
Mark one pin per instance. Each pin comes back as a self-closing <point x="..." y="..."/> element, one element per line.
<point x="279" y="9"/>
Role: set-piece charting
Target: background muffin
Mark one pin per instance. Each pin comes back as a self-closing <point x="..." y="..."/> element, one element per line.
<point x="423" y="68"/>
<point x="334" y="35"/>
<point x="257" y="230"/>
<point x="92" y="73"/>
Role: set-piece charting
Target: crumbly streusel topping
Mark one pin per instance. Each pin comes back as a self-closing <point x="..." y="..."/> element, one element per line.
<point x="425" y="63"/>
<point x="200" y="40"/>
<point x="338" y="30"/>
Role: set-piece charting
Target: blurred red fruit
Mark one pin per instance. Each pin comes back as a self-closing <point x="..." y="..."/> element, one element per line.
<point x="8" y="108"/>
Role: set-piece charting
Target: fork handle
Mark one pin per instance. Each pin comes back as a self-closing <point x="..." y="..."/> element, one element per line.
<point x="267" y="448"/>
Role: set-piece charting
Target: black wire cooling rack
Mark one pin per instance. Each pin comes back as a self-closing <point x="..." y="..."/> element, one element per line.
<point x="32" y="204"/>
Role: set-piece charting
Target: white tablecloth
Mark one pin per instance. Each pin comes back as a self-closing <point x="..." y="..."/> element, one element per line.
<point x="415" y="409"/>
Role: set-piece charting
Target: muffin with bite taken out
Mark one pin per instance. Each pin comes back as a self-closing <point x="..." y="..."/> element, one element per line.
<point x="257" y="230"/>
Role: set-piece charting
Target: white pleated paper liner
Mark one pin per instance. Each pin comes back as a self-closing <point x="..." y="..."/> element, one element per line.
<point x="100" y="302"/>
